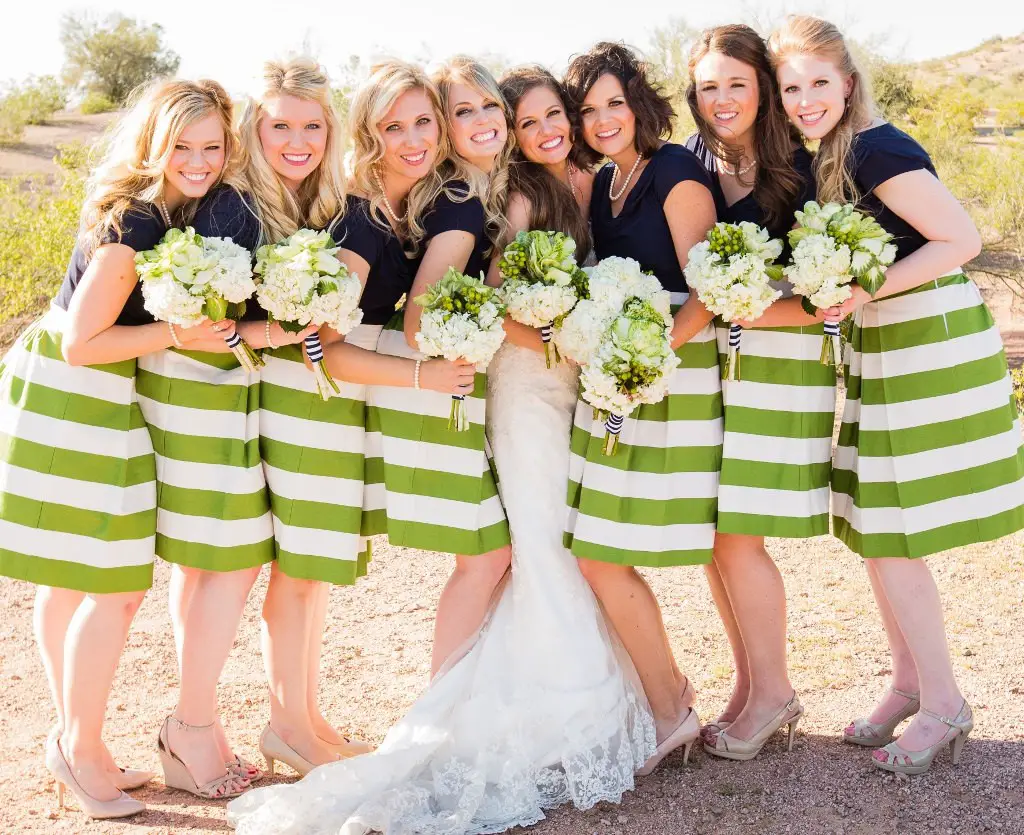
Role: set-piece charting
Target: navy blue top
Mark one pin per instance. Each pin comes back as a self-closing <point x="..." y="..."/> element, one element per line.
<point x="747" y="208"/>
<point x="467" y="215"/>
<point x="390" y="272"/>
<point x="141" y="229"/>
<point x="641" y="230"/>
<point x="879" y="154"/>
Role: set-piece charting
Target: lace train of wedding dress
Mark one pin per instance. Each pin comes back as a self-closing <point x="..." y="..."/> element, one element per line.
<point x="543" y="708"/>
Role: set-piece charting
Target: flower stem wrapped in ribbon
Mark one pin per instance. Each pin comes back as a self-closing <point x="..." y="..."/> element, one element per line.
<point x="541" y="282"/>
<point x="300" y="283"/>
<point x="730" y="272"/>
<point x="187" y="278"/>
<point x="462" y="319"/>
<point x="620" y="336"/>
<point x="833" y="246"/>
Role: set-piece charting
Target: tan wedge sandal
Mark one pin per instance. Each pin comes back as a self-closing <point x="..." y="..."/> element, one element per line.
<point x="178" y="776"/>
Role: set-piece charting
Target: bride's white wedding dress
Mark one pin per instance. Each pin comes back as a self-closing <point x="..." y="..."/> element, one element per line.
<point x="543" y="708"/>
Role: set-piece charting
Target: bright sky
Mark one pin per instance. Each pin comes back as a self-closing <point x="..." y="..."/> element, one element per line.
<point x="228" y="40"/>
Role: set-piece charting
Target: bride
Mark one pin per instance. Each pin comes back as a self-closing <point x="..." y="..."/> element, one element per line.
<point x="543" y="706"/>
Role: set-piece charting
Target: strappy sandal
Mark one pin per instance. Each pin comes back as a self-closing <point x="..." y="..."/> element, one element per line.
<point x="895" y="758"/>
<point x="874" y="734"/>
<point x="178" y="776"/>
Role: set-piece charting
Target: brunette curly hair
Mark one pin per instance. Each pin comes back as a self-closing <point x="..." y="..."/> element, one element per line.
<point x="646" y="98"/>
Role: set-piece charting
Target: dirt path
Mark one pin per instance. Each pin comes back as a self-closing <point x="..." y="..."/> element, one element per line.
<point x="376" y="661"/>
<point x="35" y="153"/>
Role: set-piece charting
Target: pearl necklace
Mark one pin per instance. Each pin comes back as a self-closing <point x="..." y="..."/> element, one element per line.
<point x="166" y="215"/>
<point x="611" y="186"/>
<point x="387" y="203"/>
<point x="572" y="182"/>
<point x="723" y="168"/>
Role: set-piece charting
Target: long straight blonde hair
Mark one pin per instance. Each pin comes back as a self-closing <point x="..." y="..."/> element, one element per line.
<point x="388" y="81"/>
<point x="320" y="200"/>
<point x="807" y="35"/>
<point x="131" y="169"/>
<point x="492" y="188"/>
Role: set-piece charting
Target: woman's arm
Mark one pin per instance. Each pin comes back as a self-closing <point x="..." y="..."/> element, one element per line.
<point x="519" y="221"/>
<point x="925" y="203"/>
<point x="448" y="249"/>
<point x="93" y="338"/>
<point x="690" y="212"/>
<point x="785" y="313"/>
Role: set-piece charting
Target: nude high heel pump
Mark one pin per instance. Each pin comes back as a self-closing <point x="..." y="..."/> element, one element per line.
<point x="120" y="807"/>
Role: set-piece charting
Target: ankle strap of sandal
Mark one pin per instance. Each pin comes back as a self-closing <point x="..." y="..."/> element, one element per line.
<point x="952" y="723"/>
<point x="914" y="697"/>
<point x="185" y="726"/>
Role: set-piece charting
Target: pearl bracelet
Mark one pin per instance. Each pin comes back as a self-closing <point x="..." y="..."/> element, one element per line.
<point x="174" y="335"/>
<point x="270" y="342"/>
<point x="416" y="375"/>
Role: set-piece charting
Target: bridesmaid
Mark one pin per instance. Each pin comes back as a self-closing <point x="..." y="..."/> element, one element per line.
<point x="779" y="417"/>
<point x="77" y="481"/>
<point x="440" y="490"/>
<point x="293" y="179"/>
<point x="653" y="503"/>
<point x="929" y="454"/>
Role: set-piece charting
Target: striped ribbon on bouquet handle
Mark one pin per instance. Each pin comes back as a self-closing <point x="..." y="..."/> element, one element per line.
<point x="831" y="347"/>
<point x="613" y="426"/>
<point x="325" y="384"/>
<point x="546" y="333"/>
<point x="457" y="418"/>
<point x="732" y="360"/>
<point x="247" y="358"/>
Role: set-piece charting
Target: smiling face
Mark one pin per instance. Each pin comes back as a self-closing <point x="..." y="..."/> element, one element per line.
<point x="196" y="161"/>
<point x="609" y="125"/>
<point x="814" y="93"/>
<point x="477" y="125"/>
<point x="727" y="96"/>
<point x="410" y="133"/>
<point x="293" y="134"/>
<point x="542" y="126"/>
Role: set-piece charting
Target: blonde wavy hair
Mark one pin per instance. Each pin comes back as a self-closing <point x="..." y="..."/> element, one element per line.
<point x="807" y="35"/>
<point x="388" y="81"/>
<point x="493" y="188"/>
<point x="320" y="200"/>
<point x="131" y="169"/>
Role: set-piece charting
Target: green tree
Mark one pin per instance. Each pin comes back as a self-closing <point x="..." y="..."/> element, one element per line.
<point x="893" y="87"/>
<point x="669" y="55"/>
<point x="114" y="56"/>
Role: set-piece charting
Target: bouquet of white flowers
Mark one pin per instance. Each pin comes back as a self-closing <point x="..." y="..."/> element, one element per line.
<point x="301" y="282"/>
<point x="730" y="272"/>
<point x="621" y="338"/>
<point x="462" y="319"/>
<point x="541" y="282"/>
<point x="187" y="278"/>
<point x="833" y="246"/>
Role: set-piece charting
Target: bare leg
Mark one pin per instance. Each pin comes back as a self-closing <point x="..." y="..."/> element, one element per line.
<point x="211" y="625"/>
<point x="54" y="609"/>
<point x="758" y="600"/>
<point x="741" y="687"/>
<point x="634" y="613"/>
<point x="465" y="601"/>
<point x="180" y="589"/>
<point x="287" y="626"/>
<point x="915" y="607"/>
<point x="321" y="727"/>
<point x="95" y="642"/>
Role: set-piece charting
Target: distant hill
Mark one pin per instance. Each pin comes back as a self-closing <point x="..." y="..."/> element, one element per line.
<point x="994" y="69"/>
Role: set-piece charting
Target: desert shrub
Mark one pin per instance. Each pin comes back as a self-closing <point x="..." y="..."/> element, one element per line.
<point x="97" y="103"/>
<point x="1017" y="376"/>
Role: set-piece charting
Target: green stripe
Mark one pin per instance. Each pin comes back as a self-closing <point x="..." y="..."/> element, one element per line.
<point x="61" y="518"/>
<point x="86" y="467"/>
<point x="191" y="394"/>
<point x="293" y="458"/>
<point x="921" y="385"/>
<point x="316" y="515"/>
<point x="660" y="559"/>
<point x="653" y="513"/>
<point x="213" y="557"/>
<point x="198" y="449"/>
<point x="437" y="484"/>
<point x="426" y="429"/>
<point x="783" y="372"/>
<point x="374" y="522"/>
<point x="213" y="503"/>
<point x="47" y="344"/>
<point x="342" y="411"/>
<point x="448" y="540"/>
<point x="338" y="572"/>
<point x="955" y="535"/>
<point x="924" y="491"/>
<point x="682" y="407"/>
<point x="75" y="408"/>
<point x="779" y="424"/>
<point x="224" y="362"/>
<point x="774" y="476"/>
<point x="69" y="575"/>
<point x="785" y="527"/>
<point x="642" y="459"/>
<point x="927" y="330"/>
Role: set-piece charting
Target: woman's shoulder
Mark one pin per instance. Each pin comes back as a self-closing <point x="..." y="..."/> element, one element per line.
<point x="228" y="213"/>
<point x="673" y="164"/>
<point x="884" y="151"/>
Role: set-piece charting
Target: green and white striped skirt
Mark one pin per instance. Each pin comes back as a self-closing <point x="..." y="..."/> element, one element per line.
<point x="77" y="476"/>
<point x="440" y="492"/>
<point x="929" y="454"/>
<point x="777" y="451"/>
<point x="314" y="458"/>
<point x="213" y="508"/>
<point x="654" y="502"/>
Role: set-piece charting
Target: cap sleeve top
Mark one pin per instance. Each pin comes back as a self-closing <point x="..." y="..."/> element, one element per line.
<point x="390" y="273"/>
<point x="641" y="230"/>
<point x="141" y="229"/>
<point x="449" y="213"/>
<point x="878" y="155"/>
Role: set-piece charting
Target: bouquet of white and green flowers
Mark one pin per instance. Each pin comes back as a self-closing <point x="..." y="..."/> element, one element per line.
<point x="730" y="272"/>
<point x="302" y="283"/>
<point x="462" y="319"/>
<point x="187" y="278"/>
<point x="621" y="338"/>
<point x="541" y="282"/>
<point x="833" y="246"/>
